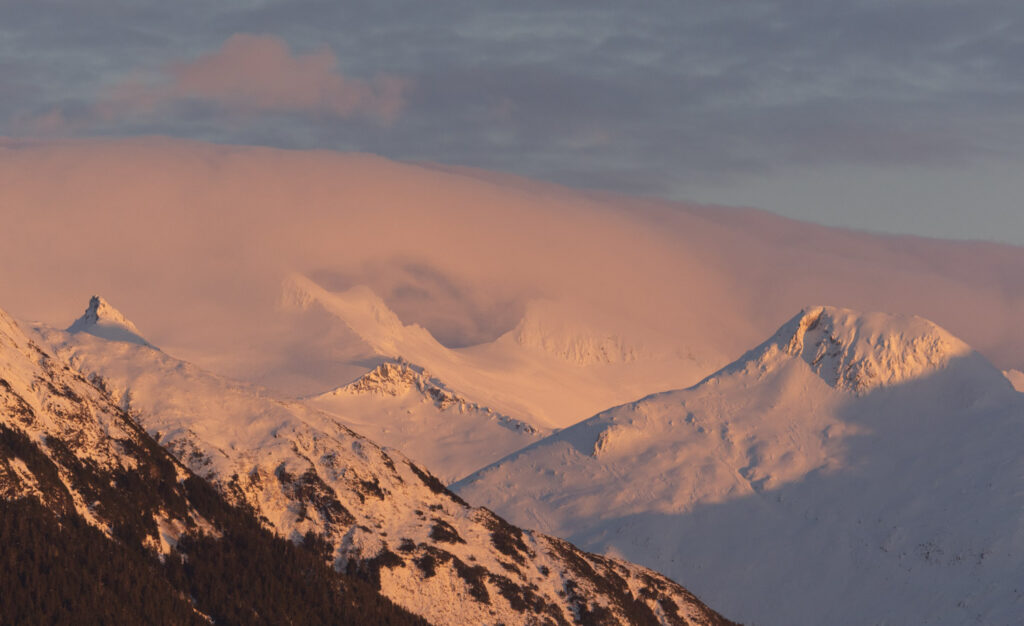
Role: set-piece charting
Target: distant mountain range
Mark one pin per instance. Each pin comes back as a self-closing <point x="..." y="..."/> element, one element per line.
<point x="338" y="358"/>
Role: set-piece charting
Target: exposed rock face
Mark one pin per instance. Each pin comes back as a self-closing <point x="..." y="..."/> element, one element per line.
<point x="103" y="320"/>
<point x="400" y="377"/>
<point x="858" y="351"/>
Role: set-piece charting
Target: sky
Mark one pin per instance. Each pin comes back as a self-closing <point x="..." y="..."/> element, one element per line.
<point x="893" y="116"/>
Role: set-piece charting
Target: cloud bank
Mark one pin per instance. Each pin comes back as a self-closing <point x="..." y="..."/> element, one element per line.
<point x="193" y="240"/>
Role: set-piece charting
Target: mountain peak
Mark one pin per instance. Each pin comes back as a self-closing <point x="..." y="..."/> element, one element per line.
<point x="862" y="351"/>
<point x="391" y="378"/>
<point x="398" y="377"/>
<point x="101" y="311"/>
<point x="103" y="320"/>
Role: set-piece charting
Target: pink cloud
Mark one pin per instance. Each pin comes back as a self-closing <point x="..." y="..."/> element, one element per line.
<point x="258" y="73"/>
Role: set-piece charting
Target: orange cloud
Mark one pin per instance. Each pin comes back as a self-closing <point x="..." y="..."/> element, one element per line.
<point x="258" y="73"/>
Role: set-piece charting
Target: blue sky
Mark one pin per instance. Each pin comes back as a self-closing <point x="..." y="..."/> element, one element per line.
<point x="903" y="116"/>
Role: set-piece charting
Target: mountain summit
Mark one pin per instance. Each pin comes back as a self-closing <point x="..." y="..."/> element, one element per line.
<point x="402" y="405"/>
<point x="103" y="320"/>
<point x="857" y="351"/>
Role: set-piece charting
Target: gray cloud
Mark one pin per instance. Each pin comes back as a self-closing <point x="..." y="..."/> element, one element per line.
<point x="595" y="94"/>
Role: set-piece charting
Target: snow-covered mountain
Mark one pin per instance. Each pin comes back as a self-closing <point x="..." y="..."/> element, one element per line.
<point x="385" y="517"/>
<point x="549" y="371"/>
<point x="866" y="467"/>
<point x="99" y="524"/>
<point x="402" y="406"/>
<point x="76" y="449"/>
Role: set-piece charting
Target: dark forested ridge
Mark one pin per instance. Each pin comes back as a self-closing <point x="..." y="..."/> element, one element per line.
<point x="64" y="571"/>
<point x="61" y="570"/>
<point x="56" y="568"/>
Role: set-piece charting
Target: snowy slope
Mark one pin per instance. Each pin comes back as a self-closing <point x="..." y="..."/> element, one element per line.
<point x="552" y="369"/>
<point x="402" y="406"/>
<point x="302" y="470"/>
<point x="865" y="467"/>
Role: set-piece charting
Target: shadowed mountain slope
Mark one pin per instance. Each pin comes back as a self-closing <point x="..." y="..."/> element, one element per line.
<point x="866" y="464"/>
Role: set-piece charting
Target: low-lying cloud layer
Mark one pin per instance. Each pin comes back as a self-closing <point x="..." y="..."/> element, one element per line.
<point x="194" y="240"/>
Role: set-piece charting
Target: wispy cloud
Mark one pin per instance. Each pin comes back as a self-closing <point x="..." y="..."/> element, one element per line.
<point x="249" y="74"/>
